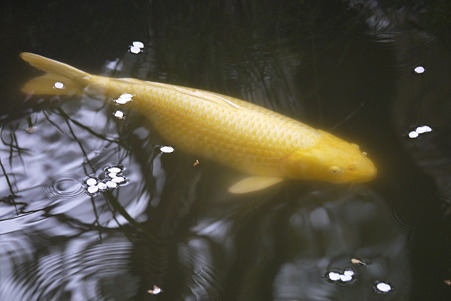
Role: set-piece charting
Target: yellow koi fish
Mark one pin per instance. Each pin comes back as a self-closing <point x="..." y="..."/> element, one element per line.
<point x="264" y="144"/>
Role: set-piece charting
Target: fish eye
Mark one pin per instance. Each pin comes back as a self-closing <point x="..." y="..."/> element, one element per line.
<point x="335" y="169"/>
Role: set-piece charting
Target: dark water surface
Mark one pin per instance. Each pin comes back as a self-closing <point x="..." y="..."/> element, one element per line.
<point x="92" y="208"/>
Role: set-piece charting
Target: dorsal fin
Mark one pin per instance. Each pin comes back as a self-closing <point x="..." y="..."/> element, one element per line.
<point x="132" y="81"/>
<point x="208" y="96"/>
<point x="215" y="98"/>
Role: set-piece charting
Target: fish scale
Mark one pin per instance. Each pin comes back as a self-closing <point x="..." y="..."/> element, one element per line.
<point x="210" y="130"/>
<point x="236" y="133"/>
<point x="249" y="141"/>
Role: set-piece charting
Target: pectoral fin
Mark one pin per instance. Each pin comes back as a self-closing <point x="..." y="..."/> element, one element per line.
<point x="252" y="184"/>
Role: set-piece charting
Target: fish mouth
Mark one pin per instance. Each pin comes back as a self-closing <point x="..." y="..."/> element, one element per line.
<point x="367" y="173"/>
<point x="366" y="178"/>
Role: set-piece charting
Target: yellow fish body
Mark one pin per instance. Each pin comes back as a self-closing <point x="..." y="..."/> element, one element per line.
<point x="244" y="136"/>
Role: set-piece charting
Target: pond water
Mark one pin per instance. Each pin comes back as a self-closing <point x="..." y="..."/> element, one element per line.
<point x="95" y="205"/>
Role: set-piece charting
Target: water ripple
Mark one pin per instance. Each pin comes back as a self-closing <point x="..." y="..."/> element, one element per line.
<point x="64" y="185"/>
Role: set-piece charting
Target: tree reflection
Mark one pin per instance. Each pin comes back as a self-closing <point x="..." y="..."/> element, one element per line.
<point x="172" y="225"/>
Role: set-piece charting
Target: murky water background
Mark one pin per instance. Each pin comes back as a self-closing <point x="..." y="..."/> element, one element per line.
<point x="93" y="208"/>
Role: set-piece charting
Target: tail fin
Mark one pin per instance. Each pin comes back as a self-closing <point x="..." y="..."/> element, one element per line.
<point x="60" y="78"/>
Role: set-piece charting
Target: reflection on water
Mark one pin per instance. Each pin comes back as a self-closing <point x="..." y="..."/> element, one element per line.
<point x="77" y="202"/>
<point x="95" y="206"/>
<point x="331" y="234"/>
<point x="293" y="250"/>
<point x="66" y="185"/>
<point x="65" y="266"/>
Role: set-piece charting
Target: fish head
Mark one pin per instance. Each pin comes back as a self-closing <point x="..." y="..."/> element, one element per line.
<point x="331" y="159"/>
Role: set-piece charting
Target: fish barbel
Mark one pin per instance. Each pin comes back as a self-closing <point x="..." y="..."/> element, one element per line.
<point x="264" y="144"/>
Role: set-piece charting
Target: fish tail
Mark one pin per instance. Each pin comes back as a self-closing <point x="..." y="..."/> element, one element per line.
<point x="60" y="78"/>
